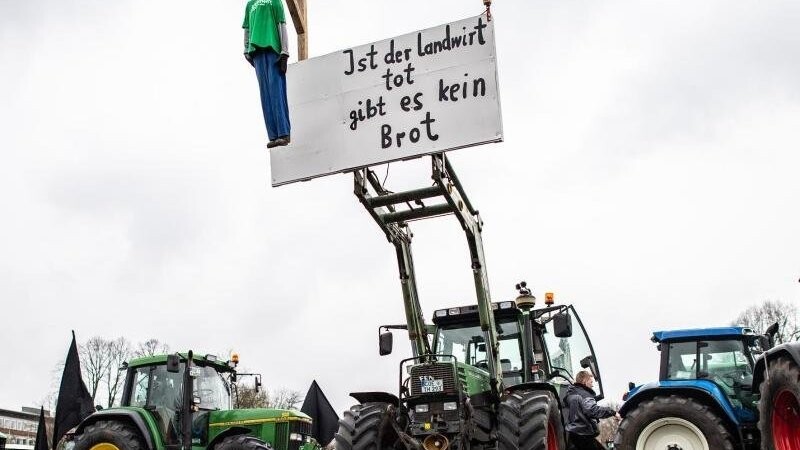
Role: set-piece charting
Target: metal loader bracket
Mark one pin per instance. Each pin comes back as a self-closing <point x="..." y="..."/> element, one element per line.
<point x="393" y="210"/>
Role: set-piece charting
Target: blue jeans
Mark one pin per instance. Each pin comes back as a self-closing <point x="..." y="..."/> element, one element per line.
<point x="272" y="84"/>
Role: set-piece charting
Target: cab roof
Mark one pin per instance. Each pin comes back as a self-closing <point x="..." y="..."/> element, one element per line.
<point x="206" y="360"/>
<point x="700" y="333"/>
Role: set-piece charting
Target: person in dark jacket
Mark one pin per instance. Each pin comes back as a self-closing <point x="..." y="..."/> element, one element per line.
<point x="584" y="413"/>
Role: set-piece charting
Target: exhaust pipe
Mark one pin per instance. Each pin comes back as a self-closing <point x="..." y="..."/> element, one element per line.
<point x="435" y="442"/>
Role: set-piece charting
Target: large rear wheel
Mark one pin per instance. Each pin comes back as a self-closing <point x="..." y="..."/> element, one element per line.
<point x="672" y="422"/>
<point x="366" y="427"/>
<point x="779" y="408"/>
<point x="109" y="435"/>
<point x="530" y="420"/>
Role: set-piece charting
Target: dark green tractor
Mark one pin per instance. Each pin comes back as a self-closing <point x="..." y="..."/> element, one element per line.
<point x="483" y="376"/>
<point x="183" y="401"/>
<point x="445" y="398"/>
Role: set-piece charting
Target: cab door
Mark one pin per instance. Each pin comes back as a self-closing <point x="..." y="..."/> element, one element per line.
<point x="569" y="348"/>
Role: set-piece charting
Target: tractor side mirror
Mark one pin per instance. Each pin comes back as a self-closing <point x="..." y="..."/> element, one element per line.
<point x="562" y="325"/>
<point x="385" y="341"/>
<point x="765" y="342"/>
<point x="173" y="364"/>
<point x="258" y="384"/>
<point x="591" y="364"/>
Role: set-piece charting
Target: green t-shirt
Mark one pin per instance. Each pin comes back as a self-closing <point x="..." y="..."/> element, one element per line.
<point x="262" y="17"/>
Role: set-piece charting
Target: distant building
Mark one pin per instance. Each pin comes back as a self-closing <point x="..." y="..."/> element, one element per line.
<point x="19" y="428"/>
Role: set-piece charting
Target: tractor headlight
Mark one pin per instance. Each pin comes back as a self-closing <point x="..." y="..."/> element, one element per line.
<point x="421" y="408"/>
<point x="296" y="437"/>
<point x="450" y="406"/>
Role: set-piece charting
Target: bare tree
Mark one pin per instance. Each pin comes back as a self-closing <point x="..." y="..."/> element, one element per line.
<point x="119" y="352"/>
<point x="247" y="397"/>
<point x="284" y="398"/>
<point x="95" y="362"/>
<point x="100" y="362"/>
<point x="150" y="347"/>
<point x="760" y="317"/>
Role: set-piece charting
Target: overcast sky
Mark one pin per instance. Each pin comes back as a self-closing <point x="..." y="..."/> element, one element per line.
<point x="649" y="175"/>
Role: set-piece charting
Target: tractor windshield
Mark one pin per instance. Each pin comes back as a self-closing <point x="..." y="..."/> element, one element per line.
<point x="210" y="389"/>
<point x="466" y="343"/>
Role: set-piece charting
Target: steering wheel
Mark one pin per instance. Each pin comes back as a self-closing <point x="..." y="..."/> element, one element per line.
<point x="557" y="373"/>
<point x="482" y="364"/>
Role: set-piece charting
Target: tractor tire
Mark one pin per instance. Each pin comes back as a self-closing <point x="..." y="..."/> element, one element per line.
<point x="672" y="422"/>
<point x="481" y="427"/>
<point x="109" y="435"/>
<point x="242" y="442"/>
<point x="530" y="420"/>
<point x="366" y="427"/>
<point x="779" y="411"/>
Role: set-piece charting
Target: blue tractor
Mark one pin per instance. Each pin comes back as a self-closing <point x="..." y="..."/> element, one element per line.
<point x="705" y="397"/>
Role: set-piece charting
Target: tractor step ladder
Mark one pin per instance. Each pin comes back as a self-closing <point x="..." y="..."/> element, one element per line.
<point x="392" y="212"/>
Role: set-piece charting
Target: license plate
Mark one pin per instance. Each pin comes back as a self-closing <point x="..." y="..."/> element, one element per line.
<point x="430" y="385"/>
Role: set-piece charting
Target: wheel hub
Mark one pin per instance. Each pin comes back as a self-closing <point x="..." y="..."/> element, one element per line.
<point x="552" y="439"/>
<point x="104" y="446"/>
<point x="672" y="433"/>
<point x="786" y="421"/>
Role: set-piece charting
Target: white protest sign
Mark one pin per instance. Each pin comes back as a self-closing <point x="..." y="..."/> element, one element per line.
<point x="425" y="92"/>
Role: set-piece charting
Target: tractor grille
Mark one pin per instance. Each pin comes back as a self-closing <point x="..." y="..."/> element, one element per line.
<point x="462" y="375"/>
<point x="436" y="371"/>
<point x="282" y="436"/>
<point x="303" y="428"/>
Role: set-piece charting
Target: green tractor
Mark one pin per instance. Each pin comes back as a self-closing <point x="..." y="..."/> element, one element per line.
<point x="183" y="402"/>
<point x="483" y="376"/>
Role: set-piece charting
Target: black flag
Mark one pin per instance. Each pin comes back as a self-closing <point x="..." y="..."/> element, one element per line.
<point x="41" y="433"/>
<point x="74" y="402"/>
<point x="326" y="422"/>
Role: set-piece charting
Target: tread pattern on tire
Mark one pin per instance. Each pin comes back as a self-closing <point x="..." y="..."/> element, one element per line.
<point x="121" y="434"/>
<point x="522" y="420"/>
<point x="361" y="428"/>
<point x="783" y="374"/>
<point x="711" y="425"/>
<point x="242" y="442"/>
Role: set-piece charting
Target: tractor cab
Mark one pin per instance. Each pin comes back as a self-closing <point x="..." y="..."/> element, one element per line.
<point x="723" y="356"/>
<point x="535" y="345"/>
<point x="156" y="384"/>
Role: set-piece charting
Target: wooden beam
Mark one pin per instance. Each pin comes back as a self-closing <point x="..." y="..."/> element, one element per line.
<point x="299" y="13"/>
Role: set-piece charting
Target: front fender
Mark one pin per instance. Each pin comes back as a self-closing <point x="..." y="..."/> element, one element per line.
<point x="789" y="350"/>
<point x="141" y="419"/>
<point x="232" y="431"/>
<point x="702" y="390"/>
<point x="379" y="397"/>
<point x="534" y="386"/>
